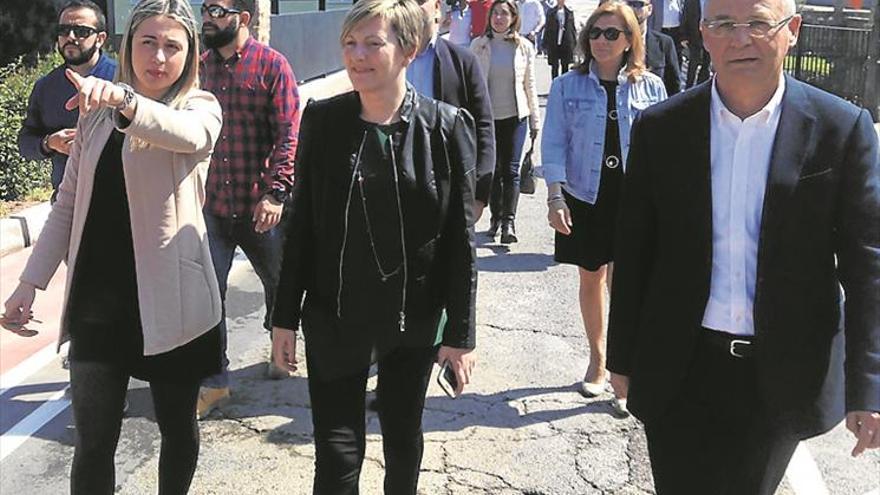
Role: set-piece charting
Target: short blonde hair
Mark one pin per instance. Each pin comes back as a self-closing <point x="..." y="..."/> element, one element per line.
<point x="405" y="18"/>
<point x="634" y="58"/>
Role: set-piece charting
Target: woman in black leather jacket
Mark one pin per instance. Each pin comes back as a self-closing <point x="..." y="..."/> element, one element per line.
<point x="380" y="241"/>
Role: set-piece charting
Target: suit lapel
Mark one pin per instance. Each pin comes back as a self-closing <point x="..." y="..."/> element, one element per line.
<point x="442" y="65"/>
<point x="653" y="55"/>
<point x="794" y="142"/>
<point x="697" y="173"/>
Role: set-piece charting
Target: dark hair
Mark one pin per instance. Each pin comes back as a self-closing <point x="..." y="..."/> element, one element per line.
<point x="513" y="30"/>
<point x="245" y="6"/>
<point x="87" y="4"/>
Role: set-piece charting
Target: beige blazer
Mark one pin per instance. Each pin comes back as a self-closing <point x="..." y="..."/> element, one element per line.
<point x="524" y="75"/>
<point x="177" y="289"/>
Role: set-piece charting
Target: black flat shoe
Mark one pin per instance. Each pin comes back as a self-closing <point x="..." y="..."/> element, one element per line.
<point x="508" y="233"/>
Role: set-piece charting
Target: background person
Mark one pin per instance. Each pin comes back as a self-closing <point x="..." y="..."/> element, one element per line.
<point x="452" y="74"/>
<point x="49" y="128"/>
<point x="380" y="242"/>
<point x="728" y="323"/>
<point x="584" y="148"/>
<point x="142" y="296"/>
<point x="251" y="173"/>
<point x="508" y="60"/>
<point x="559" y="38"/>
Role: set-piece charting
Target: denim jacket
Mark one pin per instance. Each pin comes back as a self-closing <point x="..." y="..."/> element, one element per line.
<point x="573" y="140"/>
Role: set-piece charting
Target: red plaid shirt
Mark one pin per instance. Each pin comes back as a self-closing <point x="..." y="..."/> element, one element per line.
<point x="257" y="92"/>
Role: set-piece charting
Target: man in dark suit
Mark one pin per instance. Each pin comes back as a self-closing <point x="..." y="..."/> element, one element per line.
<point x="451" y="74"/>
<point x="661" y="57"/>
<point x="729" y="326"/>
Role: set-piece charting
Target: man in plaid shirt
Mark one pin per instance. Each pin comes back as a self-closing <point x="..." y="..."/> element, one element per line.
<point x="251" y="172"/>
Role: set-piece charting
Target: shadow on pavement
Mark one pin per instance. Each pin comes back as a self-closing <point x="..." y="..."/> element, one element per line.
<point x="280" y="409"/>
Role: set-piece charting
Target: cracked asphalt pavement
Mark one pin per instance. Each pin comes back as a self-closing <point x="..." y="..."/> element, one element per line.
<point x="521" y="427"/>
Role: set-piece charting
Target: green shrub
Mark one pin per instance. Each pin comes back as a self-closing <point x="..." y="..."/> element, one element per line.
<point x="19" y="177"/>
<point x="26" y="29"/>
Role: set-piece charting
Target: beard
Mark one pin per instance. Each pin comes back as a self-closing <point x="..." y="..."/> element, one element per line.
<point x="220" y="37"/>
<point x="78" y="59"/>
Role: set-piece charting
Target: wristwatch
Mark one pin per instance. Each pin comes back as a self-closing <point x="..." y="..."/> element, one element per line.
<point x="44" y="145"/>
<point x="279" y="195"/>
<point x="127" y="99"/>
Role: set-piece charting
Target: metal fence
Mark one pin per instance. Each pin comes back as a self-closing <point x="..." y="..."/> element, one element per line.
<point x="836" y="59"/>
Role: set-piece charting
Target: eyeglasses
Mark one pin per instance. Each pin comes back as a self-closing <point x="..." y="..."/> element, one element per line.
<point x="610" y="34"/>
<point x="756" y="29"/>
<point x="218" y="11"/>
<point x="78" y="31"/>
<point x="637" y="5"/>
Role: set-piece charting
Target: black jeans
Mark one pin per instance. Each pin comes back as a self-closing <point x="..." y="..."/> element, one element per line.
<point x="340" y="431"/>
<point x="98" y="391"/>
<point x="510" y="135"/>
<point x="716" y="437"/>
<point x="262" y="250"/>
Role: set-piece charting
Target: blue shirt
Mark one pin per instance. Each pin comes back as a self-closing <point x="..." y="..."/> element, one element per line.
<point x="46" y="113"/>
<point x="420" y="72"/>
<point x="572" y="144"/>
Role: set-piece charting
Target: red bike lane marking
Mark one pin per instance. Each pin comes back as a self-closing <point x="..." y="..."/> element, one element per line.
<point x="14" y="348"/>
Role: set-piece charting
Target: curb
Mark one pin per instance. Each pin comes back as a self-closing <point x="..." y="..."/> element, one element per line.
<point x="22" y="229"/>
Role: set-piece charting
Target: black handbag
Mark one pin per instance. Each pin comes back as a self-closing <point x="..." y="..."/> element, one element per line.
<point x="527" y="172"/>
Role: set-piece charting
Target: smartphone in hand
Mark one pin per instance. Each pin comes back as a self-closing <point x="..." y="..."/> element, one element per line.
<point x="447" y="380"/>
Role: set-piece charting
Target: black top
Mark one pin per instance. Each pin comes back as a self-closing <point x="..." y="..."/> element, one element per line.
<point x="372" y="263"/>
<point x="102" y="310"/>
<point x="435" y="171"/>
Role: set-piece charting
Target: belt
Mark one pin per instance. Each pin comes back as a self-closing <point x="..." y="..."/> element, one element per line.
<point x="738" y="346"/>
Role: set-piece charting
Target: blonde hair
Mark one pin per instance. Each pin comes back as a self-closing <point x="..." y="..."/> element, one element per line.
<point x="180" y="11"/>
<point x="405" y="18"/>
<point x="634" y="58"/>
<point x="513" y="30"/>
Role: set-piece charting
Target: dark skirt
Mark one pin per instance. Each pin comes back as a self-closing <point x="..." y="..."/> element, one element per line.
<point x="591" y="242"/>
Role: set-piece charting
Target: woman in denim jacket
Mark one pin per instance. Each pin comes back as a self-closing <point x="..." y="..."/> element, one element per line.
<point x="584" y="148"/>
<point x="508" y="61"/>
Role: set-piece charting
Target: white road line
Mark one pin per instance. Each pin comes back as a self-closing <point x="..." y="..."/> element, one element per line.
<point x="26" y="368"/>
<point x="22" y="430"/>
<point x="803" y="474"/>
<point x="875" y="491"/>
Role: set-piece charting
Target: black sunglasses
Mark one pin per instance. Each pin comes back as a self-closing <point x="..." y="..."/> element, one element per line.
<point x="218" y="11"/>
<point x="78" y="31"/>
<point x="637" y="5"/>
<point x="610" y="34"/>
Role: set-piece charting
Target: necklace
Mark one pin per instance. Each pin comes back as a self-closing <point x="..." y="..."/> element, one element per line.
<point x="357" y="176"/>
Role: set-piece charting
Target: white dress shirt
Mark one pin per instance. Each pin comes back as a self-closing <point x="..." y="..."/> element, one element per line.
<point x="740" y="161"/>
<point x="532" y="15"/>
<point x="671" y="13"/>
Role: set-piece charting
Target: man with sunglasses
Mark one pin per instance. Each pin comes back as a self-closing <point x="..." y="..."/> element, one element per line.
<point x="729" y="326"/>
<point x="251" y="173"/>
<point x="661" y="56"/>
<point x="48" y="129"/>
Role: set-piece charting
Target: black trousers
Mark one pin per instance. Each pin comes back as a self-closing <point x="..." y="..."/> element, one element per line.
<point x="560" y="61"/>
<point x="98" y="391"/>
<point x="339" y="423"/>
<point x="717" y="438"/>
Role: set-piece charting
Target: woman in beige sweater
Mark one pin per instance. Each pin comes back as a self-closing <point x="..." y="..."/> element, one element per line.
<point x="508" y="61"/>
<point x="142" y="298"/>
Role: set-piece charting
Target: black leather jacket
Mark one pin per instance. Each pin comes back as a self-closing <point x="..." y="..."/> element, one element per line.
<point x="437" y="194"/>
